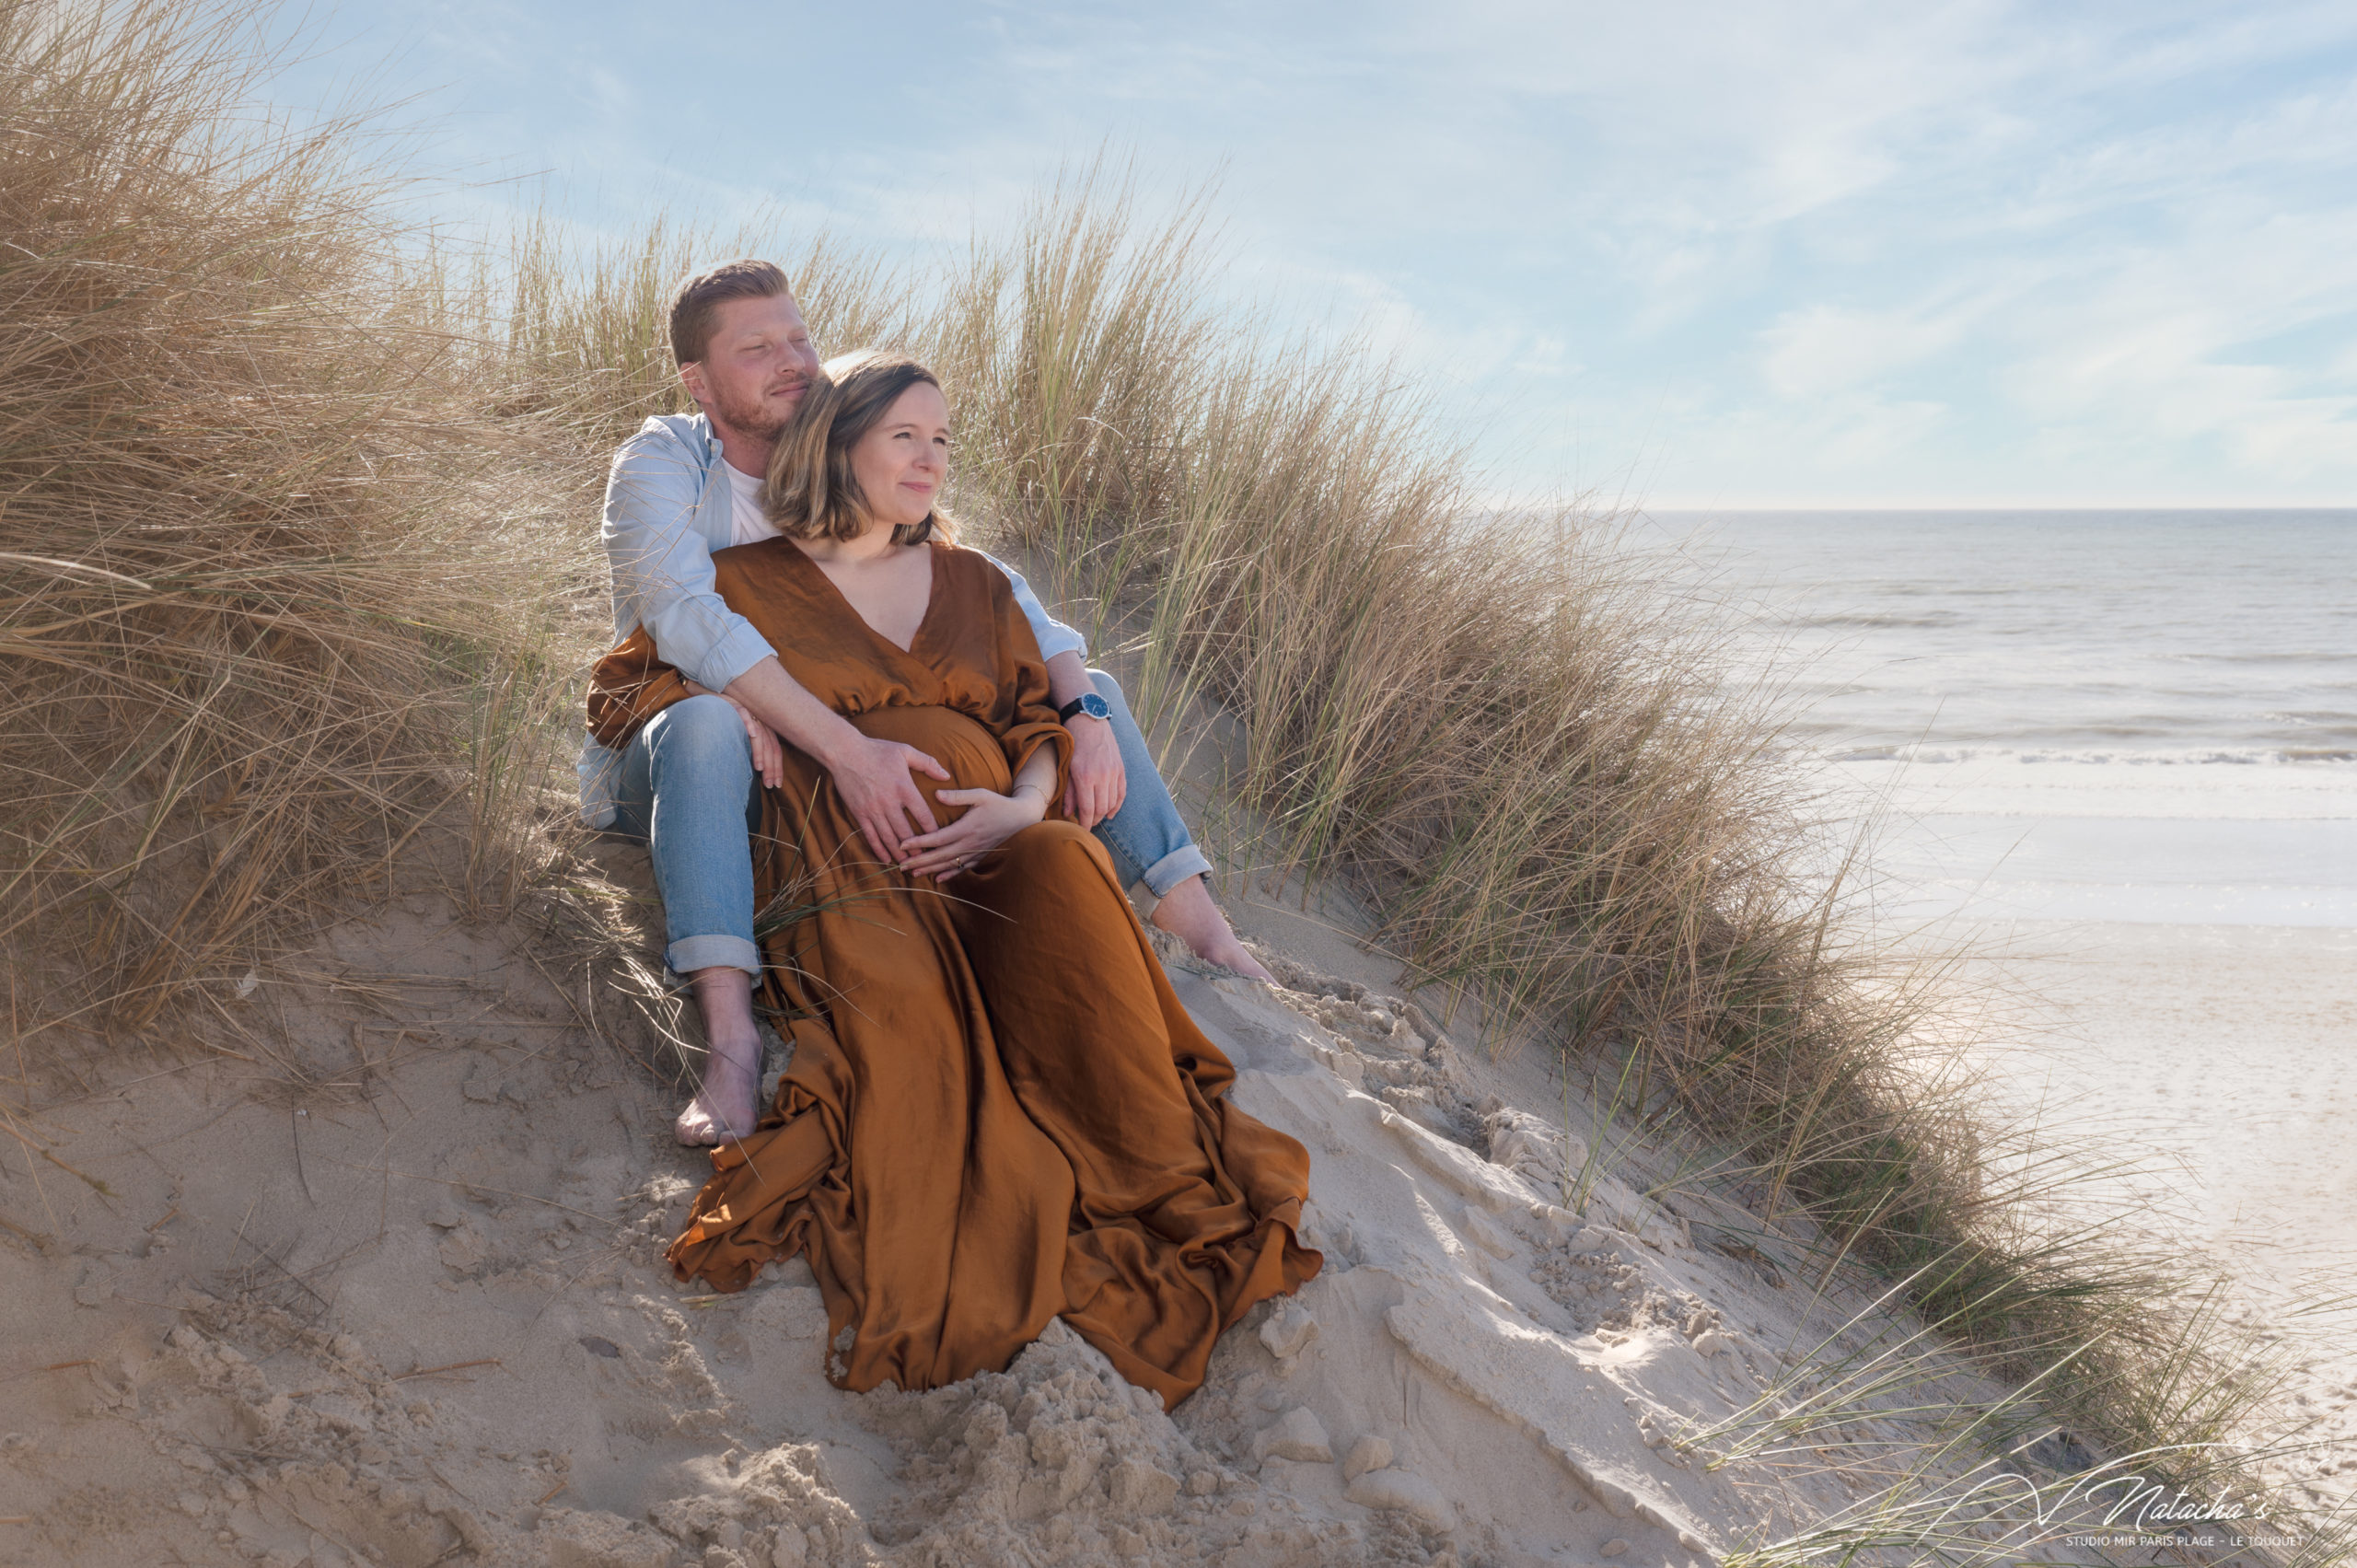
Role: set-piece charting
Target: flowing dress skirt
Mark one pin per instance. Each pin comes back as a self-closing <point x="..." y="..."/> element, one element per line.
<point x="997" y="1111"/>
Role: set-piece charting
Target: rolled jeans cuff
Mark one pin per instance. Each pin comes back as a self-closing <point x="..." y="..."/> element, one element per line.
<point x="686" y="787"/>
<point x="1174" y="868"/>
<point x="693" y="952"/>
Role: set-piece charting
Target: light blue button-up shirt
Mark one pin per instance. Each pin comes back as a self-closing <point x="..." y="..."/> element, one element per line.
<point x="667" y="508"/>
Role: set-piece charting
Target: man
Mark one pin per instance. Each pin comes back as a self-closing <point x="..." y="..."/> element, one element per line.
<point x="686" y="485"/>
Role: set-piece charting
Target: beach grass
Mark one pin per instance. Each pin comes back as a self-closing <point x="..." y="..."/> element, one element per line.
<point x="258" y="547"/>
<point x="299" y="577"/>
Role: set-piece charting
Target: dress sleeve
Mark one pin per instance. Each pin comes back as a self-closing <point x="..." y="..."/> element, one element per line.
<point x="1026" y="712"/>
<point x="629" y="687"/>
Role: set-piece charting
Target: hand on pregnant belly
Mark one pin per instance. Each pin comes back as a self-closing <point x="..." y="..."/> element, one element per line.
<point x="987" y="821"/>
<point x="982" y="807"/>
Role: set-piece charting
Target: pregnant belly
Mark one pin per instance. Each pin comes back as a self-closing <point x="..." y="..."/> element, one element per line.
<point x="970" y="752"/>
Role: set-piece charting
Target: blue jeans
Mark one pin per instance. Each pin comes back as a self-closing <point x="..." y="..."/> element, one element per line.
<point x="685" y="787"/>
<point x="1149" y="839"/>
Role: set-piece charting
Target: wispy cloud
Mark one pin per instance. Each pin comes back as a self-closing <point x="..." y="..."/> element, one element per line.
<point x="1973" y="251"/>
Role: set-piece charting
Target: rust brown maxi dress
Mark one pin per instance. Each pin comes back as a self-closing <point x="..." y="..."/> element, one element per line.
<point x="997" y="1111"/>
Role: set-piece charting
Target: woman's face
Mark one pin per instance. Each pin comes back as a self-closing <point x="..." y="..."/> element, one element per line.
<point x="903" y="461"/>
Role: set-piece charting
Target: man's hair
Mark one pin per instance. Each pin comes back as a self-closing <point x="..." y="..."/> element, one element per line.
<point x="812" y="493"/>
<point x="695" y="310"/>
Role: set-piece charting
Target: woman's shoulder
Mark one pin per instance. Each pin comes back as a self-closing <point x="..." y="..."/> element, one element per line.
<point x="757" y="549"/>
<point x="762" y="554"/>
<point x="969" y="565"/>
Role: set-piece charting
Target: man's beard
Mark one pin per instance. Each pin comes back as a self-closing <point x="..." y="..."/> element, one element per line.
<point x="756" y="417"/>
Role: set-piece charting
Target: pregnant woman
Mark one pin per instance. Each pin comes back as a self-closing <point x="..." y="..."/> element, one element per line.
<point x="997" y="1112"/>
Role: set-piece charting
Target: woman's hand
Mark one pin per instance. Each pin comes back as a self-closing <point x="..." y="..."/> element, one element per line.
<point x="989" y="821"/>
<point x="769" y="755"/>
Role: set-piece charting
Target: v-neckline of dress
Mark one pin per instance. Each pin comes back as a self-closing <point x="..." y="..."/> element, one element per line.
<point x="925" y="619"/>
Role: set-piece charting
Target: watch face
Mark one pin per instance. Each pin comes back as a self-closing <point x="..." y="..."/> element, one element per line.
<point x="1094" y="706"/>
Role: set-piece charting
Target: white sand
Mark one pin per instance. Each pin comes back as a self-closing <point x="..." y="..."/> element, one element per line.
<point x="396" y="1298"/>
<point x="2228" y="1049"/>
<point x="2220" y="1061"/>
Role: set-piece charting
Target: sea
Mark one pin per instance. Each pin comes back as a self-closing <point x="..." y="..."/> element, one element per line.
<point x="2116" y="751"/>
<point x="2077" y="715"/>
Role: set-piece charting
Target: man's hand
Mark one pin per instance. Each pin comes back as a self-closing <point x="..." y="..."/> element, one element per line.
<point x="873" y="778"/>
<point x="1098" y="785"/>
<point x="871" y="775"/>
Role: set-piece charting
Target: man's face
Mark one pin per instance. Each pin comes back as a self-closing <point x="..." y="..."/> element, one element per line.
<point x="755" y="367"/>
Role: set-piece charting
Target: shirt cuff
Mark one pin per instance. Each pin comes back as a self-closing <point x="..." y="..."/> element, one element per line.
<point x="738" y="650"/>
<point x="1061" y="639"/>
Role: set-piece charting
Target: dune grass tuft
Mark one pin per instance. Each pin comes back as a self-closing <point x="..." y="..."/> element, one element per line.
<point x="252" y="530"/>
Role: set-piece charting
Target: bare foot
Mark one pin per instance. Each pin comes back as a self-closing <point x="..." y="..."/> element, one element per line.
<point x="1188" y="913"/>
<point x="727" y="1105"/>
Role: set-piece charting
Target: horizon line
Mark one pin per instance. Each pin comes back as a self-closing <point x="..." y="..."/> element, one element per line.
<point x="1916" y="505"/>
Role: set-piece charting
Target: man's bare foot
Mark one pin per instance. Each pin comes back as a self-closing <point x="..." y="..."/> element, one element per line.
<point x="727" y="1105"/>
<point x="1188" y="913"/>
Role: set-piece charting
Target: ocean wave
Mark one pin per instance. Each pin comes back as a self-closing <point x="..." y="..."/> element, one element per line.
<point x="2242" y="757"/>
<point x="1867" y="620"/>
<point x="2273" y="656"/>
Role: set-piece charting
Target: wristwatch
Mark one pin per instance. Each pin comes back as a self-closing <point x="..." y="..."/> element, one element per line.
<point x="1088" y="703"/>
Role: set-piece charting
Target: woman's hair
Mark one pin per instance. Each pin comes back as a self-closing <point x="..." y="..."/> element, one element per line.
<point x="812" y="493"/>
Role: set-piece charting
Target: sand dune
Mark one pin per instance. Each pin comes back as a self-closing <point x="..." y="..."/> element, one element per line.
<point x="398" y="1299"/>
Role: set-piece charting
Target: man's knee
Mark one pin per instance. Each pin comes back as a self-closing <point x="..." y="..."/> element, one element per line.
<point x="700" y="732"/>
<point x="1055" y="842"/>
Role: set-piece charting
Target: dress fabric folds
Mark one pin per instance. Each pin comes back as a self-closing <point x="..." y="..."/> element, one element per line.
<point x="997" y="1112"/>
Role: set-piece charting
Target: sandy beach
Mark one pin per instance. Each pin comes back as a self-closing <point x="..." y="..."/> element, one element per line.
<point x="2109" y="753"/>
<point x="2226" y="1051"/>
<point x="2218" y="1066"/>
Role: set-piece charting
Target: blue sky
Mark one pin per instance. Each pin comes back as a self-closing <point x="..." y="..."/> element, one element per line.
<point x="1727" y="255"/>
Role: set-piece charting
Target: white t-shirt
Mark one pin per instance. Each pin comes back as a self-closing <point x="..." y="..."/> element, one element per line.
<point x="746" y="523"/>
